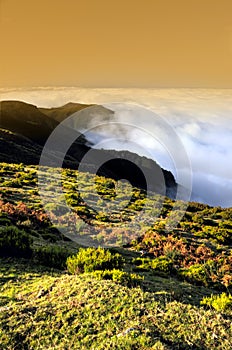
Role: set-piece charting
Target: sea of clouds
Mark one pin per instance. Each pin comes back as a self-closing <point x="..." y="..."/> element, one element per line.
<point x="201" y="118"/>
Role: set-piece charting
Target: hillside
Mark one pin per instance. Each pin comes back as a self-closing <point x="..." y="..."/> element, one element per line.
<point x="159" y="287"/>
<point x="82" y="312"/>
<point x="25" y="129"/>
<point x="165" y="284"/>
<point x="17" y="148"/>
<point x="25" y="119"/>
<point x="91" y="198"/>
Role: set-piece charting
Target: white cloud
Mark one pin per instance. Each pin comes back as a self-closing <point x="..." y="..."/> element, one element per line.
<point x="202" y="118"/>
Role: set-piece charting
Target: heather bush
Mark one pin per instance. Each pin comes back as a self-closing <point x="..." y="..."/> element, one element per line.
<point x="15" y="242"/>
<point x="161" y="265"/>
<point x="52" y="256"/>
<point x="201" y="273"/>
<point x="91" y="259"/>
<point x="221" y="302"/>
<point x="118" y="276"/>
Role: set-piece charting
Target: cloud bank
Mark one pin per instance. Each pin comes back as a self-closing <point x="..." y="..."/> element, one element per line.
<point x="201" y="118"/>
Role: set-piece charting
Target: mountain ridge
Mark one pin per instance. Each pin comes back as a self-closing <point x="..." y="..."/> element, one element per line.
<point x="30" y="129"/>
<point x="60" y="113"/>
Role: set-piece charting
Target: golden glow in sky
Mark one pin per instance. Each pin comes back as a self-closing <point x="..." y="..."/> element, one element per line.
<point x="149" y="43"/>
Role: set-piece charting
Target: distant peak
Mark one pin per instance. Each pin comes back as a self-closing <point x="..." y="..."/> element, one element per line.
<point x="75" y="104"/>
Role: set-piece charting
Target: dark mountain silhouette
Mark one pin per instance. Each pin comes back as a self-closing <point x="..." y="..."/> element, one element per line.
<point x="26" y="119"/>
<point x="28" y="124"/>
<point x="25" y="129"/>
<point x="15" y="148"/>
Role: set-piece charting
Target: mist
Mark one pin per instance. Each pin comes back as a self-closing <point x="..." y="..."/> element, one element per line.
<point x="201" y="119"/>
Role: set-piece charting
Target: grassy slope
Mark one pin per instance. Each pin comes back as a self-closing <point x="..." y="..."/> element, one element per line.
<point x="43" y="308"/>
<point x="46" y="309"/>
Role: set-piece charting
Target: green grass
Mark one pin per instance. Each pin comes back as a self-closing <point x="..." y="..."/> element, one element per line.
<point x="48" y="309"/>
<point x="175" y="295"/>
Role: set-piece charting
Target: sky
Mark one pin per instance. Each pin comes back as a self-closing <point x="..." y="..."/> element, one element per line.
<point x="101" y="51"/>
<point x="201" y="119"/>
<point x="102" y="43"/>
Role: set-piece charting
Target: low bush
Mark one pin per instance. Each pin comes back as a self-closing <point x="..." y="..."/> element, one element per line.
<point x="91" y="259"/>
<point x="161" y="265"/>
<point x="221" y="302"/>
<point x="50" y="237"/>
<point x="200" y="273"/>
<point x="118" y="276"/>
<point x="15" y="242"/>
<point x="4" y="221"/>
<point x="52" y="256"/>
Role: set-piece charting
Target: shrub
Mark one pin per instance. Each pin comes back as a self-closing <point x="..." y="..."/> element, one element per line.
<point x="91" y="259"/>
<point x="101" y="216"/>
<point x="162" y="264"/>
<point x="15" y="242"/>
<point x="142" y="263"/>
<point x="52" y="256"/>
<point x="56" y="209"/>
<point x="51" y="237"/>
<point x="200" y="273"/>
<point x="118" y="276"/>
<point x="221" y="302"/>
<point x="4" y="221"/>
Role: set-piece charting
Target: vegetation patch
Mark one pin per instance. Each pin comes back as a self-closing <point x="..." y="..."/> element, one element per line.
<point x="91" y="259"/>
<point x="15" y="242"/>
<point x="166" y="289"/>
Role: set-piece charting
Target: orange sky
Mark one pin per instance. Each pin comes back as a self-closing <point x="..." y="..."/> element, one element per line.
<point x="109" y="43"/>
